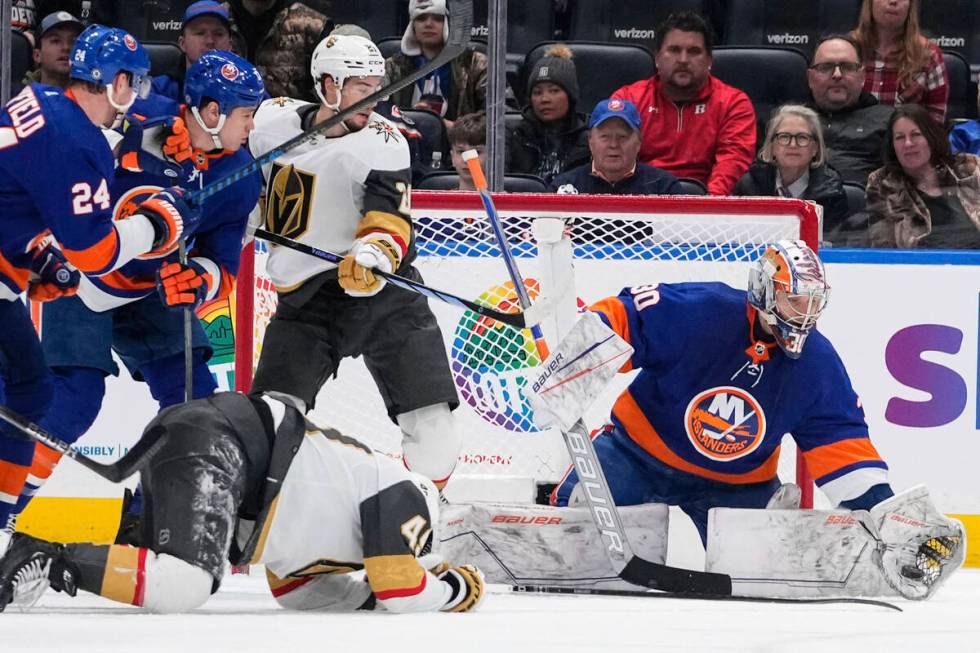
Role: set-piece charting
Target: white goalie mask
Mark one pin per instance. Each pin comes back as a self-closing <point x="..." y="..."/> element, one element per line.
<point x="788" y="286"/>
<point x="428" y="489"/>
<point x="343" y="56"/>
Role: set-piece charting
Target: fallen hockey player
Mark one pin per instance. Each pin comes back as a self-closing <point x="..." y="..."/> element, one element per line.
<point x="251" y="480"/>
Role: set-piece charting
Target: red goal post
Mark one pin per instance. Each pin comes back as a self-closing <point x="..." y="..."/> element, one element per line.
<point x="596" y="245"/>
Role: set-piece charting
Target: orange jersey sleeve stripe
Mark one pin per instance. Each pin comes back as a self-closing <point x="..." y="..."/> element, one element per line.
<point x="97" y="257"/>
<point x="45" y="460"/>
<point x="639" y="428"/>
<point x="119" y="281"/>
<point x="615" y="313"/>
<point x="12" y="479"/>
<point x="14" y="273"/>
<point x="828" y="458"/>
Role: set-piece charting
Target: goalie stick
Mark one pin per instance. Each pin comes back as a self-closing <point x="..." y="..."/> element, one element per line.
<point x="598" y="591"/>
<point x="628" y="566"/>
<point x="520" y="320"/>
<point x="116" y="472"/>
<point x="461" y="16"/>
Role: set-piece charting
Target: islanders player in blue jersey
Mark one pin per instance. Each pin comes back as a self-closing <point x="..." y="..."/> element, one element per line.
<point x="56" y="172"/>
<point x="723" y="375"/>
<point x="135" y="310"/>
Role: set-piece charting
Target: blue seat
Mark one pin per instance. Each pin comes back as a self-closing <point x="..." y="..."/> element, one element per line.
<point x="962" y="101"/>
<point x="512" y="183"/>
<point x="381" y="18"/>
<point x="769" y="76"/>
<point x="692" y="186"/>
<point x="433" y="131"/>
<point x="954" y="25"/>
<point x="788" y="24"/>
<point x="601" y="67"/>
<point x="21" y="60"/>
<point x="627" y="21"/>
<point x="165" y="58"/>
<point x="528" y="22"/>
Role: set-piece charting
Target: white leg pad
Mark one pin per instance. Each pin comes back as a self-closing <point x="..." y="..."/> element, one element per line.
<point x="173" y="585"/>
<point x="519" y="544"/>
<point x="794" y="553"/>
<point x="431" y="441"/>
<point x="328" y="593"/>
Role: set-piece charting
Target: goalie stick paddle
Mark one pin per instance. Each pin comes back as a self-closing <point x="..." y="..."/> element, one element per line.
<point x="116" y="472"/>
<point x="596" y="591"/>
<point x="461" y="22"/>
<point x="629" y="566"/>
<point x="516" y="320"/>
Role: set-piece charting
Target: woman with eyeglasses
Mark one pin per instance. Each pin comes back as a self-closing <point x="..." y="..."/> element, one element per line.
<point x="792" y="163"/>
<point x="924" y="196"/>
<point x="901" y="65"/>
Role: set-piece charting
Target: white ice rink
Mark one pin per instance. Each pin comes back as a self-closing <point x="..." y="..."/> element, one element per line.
<point x="242" y="618"/>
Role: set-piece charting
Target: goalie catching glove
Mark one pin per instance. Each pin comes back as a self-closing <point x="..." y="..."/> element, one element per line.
<point x="171" y="218"/>
<point x="183" y="286"/>
<point x="356" y="272"/>
<point x="52" y="276"/>
<point x="466" y="585"/>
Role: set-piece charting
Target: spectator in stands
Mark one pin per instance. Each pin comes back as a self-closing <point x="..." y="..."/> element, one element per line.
<point x="23" y="18"/>
<point x="458" y="88"/>
<point x="924" y="196"/>
<point x="206" y="26"/>
<point x="694" y="125"/>
<point x="279" y="37"/>
<point x="965" y="137"/>
<point x="902" y="66"/>
<point x="792" y="163"/>
<point x="469" y="132"/>
<point x="552" y="136"/>
<point x="56" y="38"/>
<point x="614" y="141"/>
<point x="854" y="123"/>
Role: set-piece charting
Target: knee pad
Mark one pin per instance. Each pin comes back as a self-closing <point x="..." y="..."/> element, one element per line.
<point x="431" y="441"/>
<point x="172" y="585"/>
<point x="165" y="377"/>
<point x="78" y="393"/>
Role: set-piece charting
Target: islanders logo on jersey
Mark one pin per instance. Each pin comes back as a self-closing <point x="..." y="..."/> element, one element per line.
<point x="129" y="203"/>
<point x="725" y="423"/>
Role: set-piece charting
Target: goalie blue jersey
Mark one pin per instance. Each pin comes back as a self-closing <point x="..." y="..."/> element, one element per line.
<point x="714" y="399"/>
<point x="217" y="242"/>
<point x="56" y="170"/>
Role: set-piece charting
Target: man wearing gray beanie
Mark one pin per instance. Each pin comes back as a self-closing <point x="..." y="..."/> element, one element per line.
<point x="457" y="88"/>
<point x="551" y="136"/>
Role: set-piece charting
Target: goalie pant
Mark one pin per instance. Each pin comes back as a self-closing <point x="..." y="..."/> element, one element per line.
<point x="122" y="312"/>
<point x="56" y="169"/>
<point x="701" y="424"/>
<point x="329" y="506"/>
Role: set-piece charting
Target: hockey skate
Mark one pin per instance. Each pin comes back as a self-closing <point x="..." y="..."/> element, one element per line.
<point x="29" y="567"/>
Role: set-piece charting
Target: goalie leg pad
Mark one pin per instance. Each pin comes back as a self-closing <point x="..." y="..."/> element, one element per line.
<point x="794" y="553"/>
<point x="919" y="547"/>
<point x="517" y="544"/>
<point x="173" y="585"/>
<point x="431" y="442"/>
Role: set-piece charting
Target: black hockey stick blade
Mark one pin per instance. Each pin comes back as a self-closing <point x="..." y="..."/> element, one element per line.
<point x="595" y="591"/>
<point x="516" y="320"/>
<point x="674" y="579"/>
<point x="461" y="22"/>
<point x="116" y="472"/>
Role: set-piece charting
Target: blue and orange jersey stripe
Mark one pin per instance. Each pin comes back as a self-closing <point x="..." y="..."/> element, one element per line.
<point x="613" y="313"/>
<point x="98" y="257"/>
<point x="833" y="460"/>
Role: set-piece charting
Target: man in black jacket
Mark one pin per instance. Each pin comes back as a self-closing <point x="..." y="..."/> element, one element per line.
<point x="614" y="140"/>
<point x="854" y="124"/>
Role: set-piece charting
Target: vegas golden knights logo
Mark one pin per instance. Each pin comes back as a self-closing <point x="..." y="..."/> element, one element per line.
<point x="289" y="201"/>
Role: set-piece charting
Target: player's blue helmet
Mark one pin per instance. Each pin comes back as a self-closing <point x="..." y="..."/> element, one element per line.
<point x="101" y="52"/>
<point x="225" y="78"/>
<point x="788" y="286"/>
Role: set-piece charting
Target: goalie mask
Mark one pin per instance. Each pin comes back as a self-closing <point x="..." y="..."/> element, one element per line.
<point x="343" y="56"/>
<point x="788" y="286"/>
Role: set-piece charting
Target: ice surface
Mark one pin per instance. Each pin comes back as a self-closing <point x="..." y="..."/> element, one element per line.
<point x="242" y="617"/>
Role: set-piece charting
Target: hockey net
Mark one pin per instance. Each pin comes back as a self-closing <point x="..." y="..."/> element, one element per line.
<point x="609" y="242"/>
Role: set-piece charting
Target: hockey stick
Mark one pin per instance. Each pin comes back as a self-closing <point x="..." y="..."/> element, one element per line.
<point x="188" y="334"/>
<point x="628" y="566"/>
<point x="116" y="472"/>
<point x="517" y="320"/>
<point x="461" y="20"/>
<point x="596" y="591"/>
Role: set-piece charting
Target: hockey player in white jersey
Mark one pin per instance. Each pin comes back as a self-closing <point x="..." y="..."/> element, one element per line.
<point x="348" y="190"/>
<point x="249" y="479"/>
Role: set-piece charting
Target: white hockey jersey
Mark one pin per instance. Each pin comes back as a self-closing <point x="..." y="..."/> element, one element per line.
<point x="330" y="190"/>
<point x="343" y="508"/>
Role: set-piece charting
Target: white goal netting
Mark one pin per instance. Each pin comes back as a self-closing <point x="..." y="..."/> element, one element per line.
<point x="614" y="242"/>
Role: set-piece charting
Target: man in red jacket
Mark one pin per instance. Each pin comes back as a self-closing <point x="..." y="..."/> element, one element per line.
<point x="694" y="125"/>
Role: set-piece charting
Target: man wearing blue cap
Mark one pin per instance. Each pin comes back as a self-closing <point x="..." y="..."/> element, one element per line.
<point x="614" y="140"/>
<point x="206" y="26"/>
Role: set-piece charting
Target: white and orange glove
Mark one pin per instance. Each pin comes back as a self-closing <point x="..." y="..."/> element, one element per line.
<point x="356" y="272"/>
